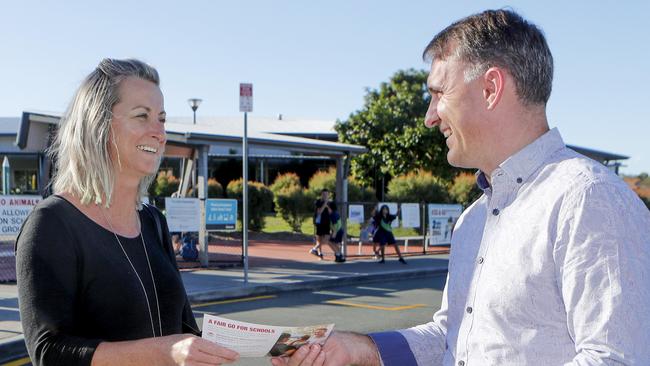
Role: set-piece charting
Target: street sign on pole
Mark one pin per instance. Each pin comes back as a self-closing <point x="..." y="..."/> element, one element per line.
<point x="245" y="97"/>
<point x="245" y="105"/>
<point x="221" y="214"/>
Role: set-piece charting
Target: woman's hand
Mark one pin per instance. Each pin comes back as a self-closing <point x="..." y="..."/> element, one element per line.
<point x="187" y="349"/>
<point x="177" y="349"/>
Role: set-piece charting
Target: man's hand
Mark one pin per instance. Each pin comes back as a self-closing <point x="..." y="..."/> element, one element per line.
<point x="341" y="348"/>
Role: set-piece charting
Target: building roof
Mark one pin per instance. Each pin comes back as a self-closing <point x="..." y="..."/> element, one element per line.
<point x="280" y="125"/>
<point x="233" y="132"/>
<point x="598" y="155"/>
<point x="225" y="130"/>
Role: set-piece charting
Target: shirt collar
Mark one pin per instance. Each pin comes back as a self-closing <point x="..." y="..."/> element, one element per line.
<point x="526" y="161"/>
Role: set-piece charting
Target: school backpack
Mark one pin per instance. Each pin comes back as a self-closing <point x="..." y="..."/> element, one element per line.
<point x="188" y="249"/>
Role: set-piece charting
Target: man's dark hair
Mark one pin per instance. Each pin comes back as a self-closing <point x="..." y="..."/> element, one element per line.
<point x="500" y="38"/>
<point x="324" y="190"/>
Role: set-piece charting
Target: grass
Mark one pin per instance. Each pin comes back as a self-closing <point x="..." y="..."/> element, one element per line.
<point x="275" y="224"/>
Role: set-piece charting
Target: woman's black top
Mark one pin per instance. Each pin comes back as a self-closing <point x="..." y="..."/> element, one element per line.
<point x="76" y="288"/>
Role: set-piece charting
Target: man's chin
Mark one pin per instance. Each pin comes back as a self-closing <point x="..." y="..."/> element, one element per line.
<point x="457" y="162"/>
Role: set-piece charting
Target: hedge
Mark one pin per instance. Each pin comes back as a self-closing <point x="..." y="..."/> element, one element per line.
<point x="420" y="186"/>
<point x="260" y="201"/>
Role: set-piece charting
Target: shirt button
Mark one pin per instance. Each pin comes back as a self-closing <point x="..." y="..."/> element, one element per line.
<point x="469" y="309"/>
<point x="519" y="180"/>
<point x="480" y="260"/>
<point x="461" y="363"/>
<point x="495" y="212"/>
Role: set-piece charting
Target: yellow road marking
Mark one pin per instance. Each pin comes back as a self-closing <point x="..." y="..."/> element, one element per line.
<point x="20" y="362"/>
<point x="375" y="307"/>
<point x="234" y="300"/>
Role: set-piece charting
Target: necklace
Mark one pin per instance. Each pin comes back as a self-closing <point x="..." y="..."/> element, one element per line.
<point x="153" y="281"/>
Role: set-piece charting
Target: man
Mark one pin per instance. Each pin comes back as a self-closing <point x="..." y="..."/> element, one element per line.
<point x="550" y="266"/>
<point x="323" y="210"/>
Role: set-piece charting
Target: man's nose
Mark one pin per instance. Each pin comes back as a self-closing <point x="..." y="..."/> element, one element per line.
<point x="431" y="119"/>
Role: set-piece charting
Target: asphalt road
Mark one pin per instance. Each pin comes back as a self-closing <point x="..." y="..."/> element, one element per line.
<point x="364" y="308"/>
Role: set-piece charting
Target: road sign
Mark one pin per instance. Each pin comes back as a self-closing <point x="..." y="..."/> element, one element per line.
<point x="442" y="219"/>
<point x="245" y="97"/>
<point x="13" y="211"/>
<point x="220" y="214"/>
<point x="183" y="214"/>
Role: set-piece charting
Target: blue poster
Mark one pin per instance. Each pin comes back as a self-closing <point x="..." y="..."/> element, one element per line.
<point x="220" y="214"/>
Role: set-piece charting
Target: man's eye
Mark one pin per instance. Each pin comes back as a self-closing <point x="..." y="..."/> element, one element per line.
<point x="162" y="120"/>
<point x="144" y="116"/>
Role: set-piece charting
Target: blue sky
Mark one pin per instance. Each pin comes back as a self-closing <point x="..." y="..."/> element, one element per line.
<point x="315" y="59"/>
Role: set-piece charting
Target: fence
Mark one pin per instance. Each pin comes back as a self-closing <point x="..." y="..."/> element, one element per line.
<point x="224" y="247"/>
<point x="421" y="228"/>
<point x="7" y="259"/>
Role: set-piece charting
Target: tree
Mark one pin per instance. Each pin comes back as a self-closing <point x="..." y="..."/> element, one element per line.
<point x="391" y="126"/>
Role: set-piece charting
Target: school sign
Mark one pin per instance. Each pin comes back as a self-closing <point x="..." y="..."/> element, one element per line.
<point x="13" y="212"/>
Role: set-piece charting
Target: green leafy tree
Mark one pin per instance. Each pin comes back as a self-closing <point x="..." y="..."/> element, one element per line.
<point x="391" y="126"/>
<point x="260" y="200"/>
<point x="419" y="186"/>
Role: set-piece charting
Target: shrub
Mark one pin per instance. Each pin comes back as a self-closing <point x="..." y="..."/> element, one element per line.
<point x="327" y="179"/>
<point x="165" y="184"/>
<point x="359" y="193"/>
<point x="260" y="199"/>
<point x="283" y="181"/>
<point x="215" y="190"/>
<point x="322" y="179"/>
<point x="464" y="189"/>
<point x="418" y="186"/>
<point x="294" y="204"/>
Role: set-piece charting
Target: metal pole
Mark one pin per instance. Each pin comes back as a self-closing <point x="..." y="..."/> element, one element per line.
<point x="203" y="193"/>
<point x="6" y="176"/>
<point x="194" y="115"/>
<point x="423" y="223"/>
<point x="245" y="197"/>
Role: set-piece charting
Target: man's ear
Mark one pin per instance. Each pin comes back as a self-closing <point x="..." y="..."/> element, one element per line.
<point x="494" y="81"/>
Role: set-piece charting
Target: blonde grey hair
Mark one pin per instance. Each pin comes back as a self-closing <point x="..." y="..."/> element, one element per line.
<point x="499" y="38"/>
<point x="84" y="167"/>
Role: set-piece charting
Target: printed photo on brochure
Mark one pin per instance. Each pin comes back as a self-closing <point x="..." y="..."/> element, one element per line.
<point x="258" y="340"/>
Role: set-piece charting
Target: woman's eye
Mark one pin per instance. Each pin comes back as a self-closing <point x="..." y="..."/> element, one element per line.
<point x="162" y="120"/>
<point x="142" y="116"/>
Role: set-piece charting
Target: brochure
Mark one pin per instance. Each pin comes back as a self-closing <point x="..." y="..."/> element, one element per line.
<point x="257" y="340"/>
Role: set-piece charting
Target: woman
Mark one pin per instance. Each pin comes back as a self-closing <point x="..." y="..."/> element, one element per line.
<point x="97" y="280"/>
<point x="384" y="233"/>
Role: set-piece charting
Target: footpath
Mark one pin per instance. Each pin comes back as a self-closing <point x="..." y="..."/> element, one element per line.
<point x="274" y="267"/>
